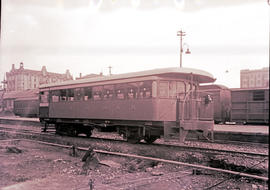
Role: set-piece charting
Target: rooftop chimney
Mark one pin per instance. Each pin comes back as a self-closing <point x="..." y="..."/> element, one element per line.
<point x="21" y="65"/>
<point x="44" y="70"/>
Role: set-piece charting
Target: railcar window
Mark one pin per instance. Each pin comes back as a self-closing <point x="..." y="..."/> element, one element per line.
<point x="55" y="95"/>
<point x="132" y="93"/>
<point x="63" y="95"/>
<point x="172" y="89"/>
<point x="181" y="89"/>
<point x="164" y="89"/>
<point x="44" y="97"/>
<point x="108" y="92"/>
<point x="258" y="95"/>
<point x="132" y="90"/>
<point x="120" y="91"/>
<point x="145" y="90"/>
<point x="78" y="94"/>
<point x="70" y="95"/>
<point x="87" y="93"/>
<point x="97" y="92"/>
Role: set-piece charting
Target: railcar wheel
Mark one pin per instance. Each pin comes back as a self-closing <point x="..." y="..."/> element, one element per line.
<point x="74" y="133"/>
<point x="70" y="131"/>
<point x="133" y="140"/>
<point x="88" y="134"/>
<point x="150" y="139"/>
<point x="58" y="129"/>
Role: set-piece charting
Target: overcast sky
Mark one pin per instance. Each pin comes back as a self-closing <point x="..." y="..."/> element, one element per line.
<point x="87" y="36"/>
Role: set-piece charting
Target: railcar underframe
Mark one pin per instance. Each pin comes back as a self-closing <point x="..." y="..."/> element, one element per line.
<point x="133" y="131"/>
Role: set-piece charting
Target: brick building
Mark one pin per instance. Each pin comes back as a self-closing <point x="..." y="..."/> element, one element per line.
<point x="24" y="79"/>
<point x="254" y="78"/>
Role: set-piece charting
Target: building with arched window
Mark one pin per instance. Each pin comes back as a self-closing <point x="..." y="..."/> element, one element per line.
<point x="24" y="79"/>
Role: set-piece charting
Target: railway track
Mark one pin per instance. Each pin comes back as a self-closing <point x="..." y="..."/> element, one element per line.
<point x="145" y="181"/>
<point x="159" y="152"/>
<point x="112" y="147"/>
<point x="176" y="147"/>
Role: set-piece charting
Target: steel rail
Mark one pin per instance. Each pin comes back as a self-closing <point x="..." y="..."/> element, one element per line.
<point x="157" y="159"/>
<point x="213" y="149"/>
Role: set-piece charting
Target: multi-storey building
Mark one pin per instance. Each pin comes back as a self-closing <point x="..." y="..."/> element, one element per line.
<point x="23" y="79"/>
<point x="254" y="78"/>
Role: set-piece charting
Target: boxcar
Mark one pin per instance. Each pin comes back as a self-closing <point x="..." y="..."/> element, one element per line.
<point x="26" y="107"/>
<point x="140" y="105"/>
<point x="250" y="105"/>
<point x="222" y="101"/>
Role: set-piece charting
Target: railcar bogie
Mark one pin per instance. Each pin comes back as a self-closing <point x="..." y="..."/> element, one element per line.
<point x="73" y="129"/>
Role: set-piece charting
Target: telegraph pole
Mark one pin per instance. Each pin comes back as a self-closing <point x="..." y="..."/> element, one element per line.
<point x="181" y="34"/>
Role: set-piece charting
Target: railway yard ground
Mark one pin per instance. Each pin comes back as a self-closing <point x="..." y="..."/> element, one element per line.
<point x="27" y="162"/>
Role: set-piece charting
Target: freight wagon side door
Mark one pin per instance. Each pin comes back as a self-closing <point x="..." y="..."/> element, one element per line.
<point x="44" y="104"/>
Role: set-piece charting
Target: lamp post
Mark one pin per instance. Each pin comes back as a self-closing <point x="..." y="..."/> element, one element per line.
<point x="181" y="34"/>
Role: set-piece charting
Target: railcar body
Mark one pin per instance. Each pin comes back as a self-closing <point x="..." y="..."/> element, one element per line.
<point x="24" y="102"/>
<point x="221" y="96"/>
<point x="140" y="105"/>
<point x="250" y="105"/>
<point x="26" y="107"/>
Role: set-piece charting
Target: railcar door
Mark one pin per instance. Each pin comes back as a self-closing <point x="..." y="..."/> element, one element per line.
<point x="44" y="104"/>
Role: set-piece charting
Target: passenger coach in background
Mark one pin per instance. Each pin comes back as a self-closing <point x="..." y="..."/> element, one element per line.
<point x="139" y="105"/>
<point x="22" y="103"/>
<point x="222" y="101"/>
<point x="26" y="107"/>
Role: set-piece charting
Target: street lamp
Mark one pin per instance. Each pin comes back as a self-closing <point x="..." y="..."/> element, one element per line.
<point x="181" y="34"/>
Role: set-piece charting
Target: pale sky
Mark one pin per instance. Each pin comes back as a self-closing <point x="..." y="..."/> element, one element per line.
<point x="87" y="36"/>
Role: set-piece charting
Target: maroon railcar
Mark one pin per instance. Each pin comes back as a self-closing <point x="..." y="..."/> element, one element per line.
<point x="24" y="103"/>
<point x="26" y="107"/>
<point x="221" y="96"/>
<point x="140" y="105"/>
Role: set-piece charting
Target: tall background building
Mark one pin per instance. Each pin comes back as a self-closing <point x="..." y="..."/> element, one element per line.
<point x="24" y="79"/>
<point x="254" y="78"/>
<point x="24" y="83"/>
